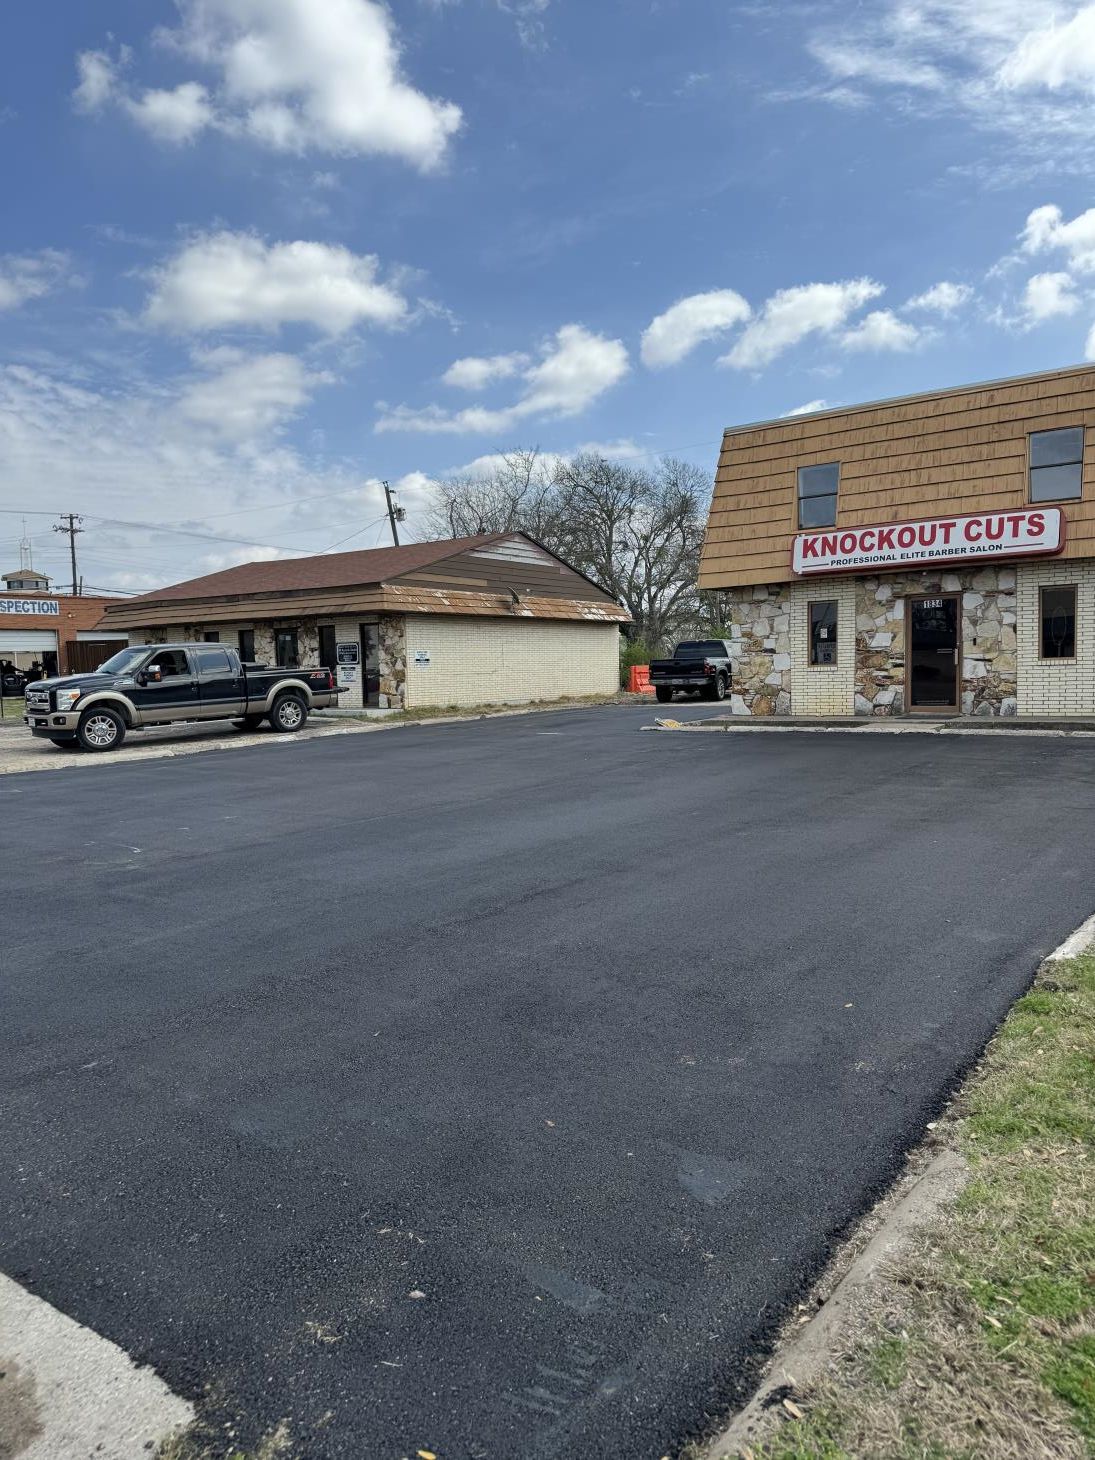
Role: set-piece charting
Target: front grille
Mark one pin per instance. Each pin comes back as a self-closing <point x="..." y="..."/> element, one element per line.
<point x="37" y="699"/>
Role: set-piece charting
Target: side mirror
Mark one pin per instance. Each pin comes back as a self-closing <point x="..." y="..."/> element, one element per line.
<point x="151" y="675"/>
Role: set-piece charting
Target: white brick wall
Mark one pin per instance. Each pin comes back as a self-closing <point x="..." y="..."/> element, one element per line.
<point x="823" y="689"/>
<point x="478" y="661"/>
<point x="1056" y="686"/>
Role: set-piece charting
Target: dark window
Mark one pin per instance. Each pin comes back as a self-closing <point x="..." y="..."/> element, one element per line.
<point x="285" y="645"/>
<point x="823" y="632"/>
<point x="700" y="649"/>
<point x="328" y="654"/>
<point x="212" y="637"/>
<point x="247" y="645"/>
<point x="171" y="663"/>
<point x="213" y="661"/>
<point x="1058" y="615"/>
<point x="817" y="489"/>
<point x="1057" y="464"/>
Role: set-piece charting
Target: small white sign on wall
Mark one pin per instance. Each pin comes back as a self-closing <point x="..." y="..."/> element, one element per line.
<point x="347" y="674"/>
<point x="422" y="658"/>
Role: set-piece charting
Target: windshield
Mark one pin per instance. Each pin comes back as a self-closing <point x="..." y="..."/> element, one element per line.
<point x="124" y="661"/>
<point x="699" y="648"/>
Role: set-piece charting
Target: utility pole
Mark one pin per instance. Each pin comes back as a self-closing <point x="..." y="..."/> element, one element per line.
<point x="68" y="524"/>
<point x="395" y="514"/>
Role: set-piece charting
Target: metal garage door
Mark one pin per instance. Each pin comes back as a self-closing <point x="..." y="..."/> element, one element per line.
<point x="27" y="641"/>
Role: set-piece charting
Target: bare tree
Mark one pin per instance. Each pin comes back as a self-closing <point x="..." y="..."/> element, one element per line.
<point x="515" y="492"/>
<point x="636" y="532"/>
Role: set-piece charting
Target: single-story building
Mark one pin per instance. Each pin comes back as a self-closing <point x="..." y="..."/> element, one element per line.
<point x="494" y="619"/>
<point x="929" y="554"/>
<point x="51" y="633"/>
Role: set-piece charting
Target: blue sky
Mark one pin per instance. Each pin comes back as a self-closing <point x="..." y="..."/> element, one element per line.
<point x="259" y="254"/>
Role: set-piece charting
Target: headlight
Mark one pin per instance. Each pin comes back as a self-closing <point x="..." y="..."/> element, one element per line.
<point x="66" y="698"/>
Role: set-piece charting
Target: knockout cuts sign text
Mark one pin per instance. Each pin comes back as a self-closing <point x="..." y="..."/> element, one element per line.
<point x="936" y="540"/>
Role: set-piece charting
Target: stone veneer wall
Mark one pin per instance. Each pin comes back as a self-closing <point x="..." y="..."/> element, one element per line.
<point x="393" y="661"/>
<point x="759" y="628"/>
<point x="987" y="629"/>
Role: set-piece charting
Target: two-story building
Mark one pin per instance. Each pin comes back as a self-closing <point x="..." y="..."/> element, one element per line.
<point x="930" y="554"/>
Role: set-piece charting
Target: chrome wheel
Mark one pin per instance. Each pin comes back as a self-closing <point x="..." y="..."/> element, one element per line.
<point x="101" y="731"/>
<point x="290" y="714"/>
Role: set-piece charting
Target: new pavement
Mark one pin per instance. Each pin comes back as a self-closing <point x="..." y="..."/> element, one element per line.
<point x="492" y="1089"/>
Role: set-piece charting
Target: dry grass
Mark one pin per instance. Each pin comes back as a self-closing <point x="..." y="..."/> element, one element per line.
<point x="979" y="1344"/>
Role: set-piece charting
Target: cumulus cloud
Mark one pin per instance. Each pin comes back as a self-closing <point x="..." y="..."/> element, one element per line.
<point x="231" y="280"/>
<point x="248" y="397"/>
<point x="30" y="276"/>
<point x="943" y="298"/>
<point x="808" y="409"/>
<point x="575" y="368"/>
<point x="173" y="116"/>
<point x="1047" y="296"/>
<point x="293" y="75"/>
<point x="791" y="315"/>
<point x="671" y="336"/>
<point x="474" y="372"/>
<point x="881" y="330"/>
<point x="1046" y="231"/>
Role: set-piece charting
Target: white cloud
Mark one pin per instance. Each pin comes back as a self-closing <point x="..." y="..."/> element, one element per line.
<point x="98" y="81"/>
<point x="1048" y="295"/>
<point x="474" y="372"/>
<point x="1022" y="67"/>
<point x="1046" y="230"/>
<point x="791" y="315"/>
<point x="227" y="280"/>
<point x="1054" y="55"/>
<point x="881" y="330"/>
<point x="248" y="397"/>
<point x="576" y="368"/>
<point x="122" y="447"/>
<point x="294" y="75"/>
<point x="30" y="276"/>
<point x="173" y="116"/>
<point x="943" y="298"/>
<point x="671" y="336"/>
<point x="1089" y="347"/>
<point x="808" y="409"/>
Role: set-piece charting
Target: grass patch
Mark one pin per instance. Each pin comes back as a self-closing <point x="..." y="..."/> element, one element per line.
<point x="472" y="712"/>
<point x="980" y="1343"/>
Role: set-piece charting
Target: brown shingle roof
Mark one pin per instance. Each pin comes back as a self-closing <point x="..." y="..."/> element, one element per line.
<point x="332" y="570"/>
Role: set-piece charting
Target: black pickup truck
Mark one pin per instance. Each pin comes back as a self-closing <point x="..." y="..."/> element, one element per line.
<point x="697" y="664"/>
<point x="162" y="684"/>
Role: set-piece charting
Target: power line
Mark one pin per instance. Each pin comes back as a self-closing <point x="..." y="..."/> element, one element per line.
<point x="351" y="537"/>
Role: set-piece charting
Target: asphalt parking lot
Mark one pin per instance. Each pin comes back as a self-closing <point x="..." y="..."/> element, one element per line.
<point x="492" y="1089"/>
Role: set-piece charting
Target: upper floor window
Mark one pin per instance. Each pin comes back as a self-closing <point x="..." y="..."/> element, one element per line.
<point x="1057" y="464"/>
<point x="817" y="489"/>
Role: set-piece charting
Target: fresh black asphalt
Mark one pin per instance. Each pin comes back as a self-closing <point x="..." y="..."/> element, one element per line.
<point x="492" y="1089"/>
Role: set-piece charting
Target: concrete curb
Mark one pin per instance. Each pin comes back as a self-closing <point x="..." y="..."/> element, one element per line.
<point x="68" y="1394"/>
<point x="803" y="1360"/>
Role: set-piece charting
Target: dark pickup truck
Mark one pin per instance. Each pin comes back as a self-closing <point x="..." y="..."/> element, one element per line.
<point x="697" y="664"/>
<point x="162" y="684"/>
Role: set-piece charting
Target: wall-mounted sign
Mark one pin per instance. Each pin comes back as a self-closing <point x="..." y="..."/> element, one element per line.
<point x="347" y="674"/>
<point x="422" y="657"/>
<point x="1021" y="533"/>
<point x="348" y="653"/>
<point x="37" y="606"/>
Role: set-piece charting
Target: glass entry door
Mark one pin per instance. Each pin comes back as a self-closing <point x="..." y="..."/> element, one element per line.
<point x="933" y="653"/>
<point x="370" y="664"/>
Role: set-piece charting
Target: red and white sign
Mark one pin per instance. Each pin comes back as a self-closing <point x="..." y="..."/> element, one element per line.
<point x="937" y="540"/>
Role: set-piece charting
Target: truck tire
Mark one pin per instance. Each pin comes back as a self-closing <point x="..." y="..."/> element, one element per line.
<point x="664" y="693"/>
<point x="249" y="722"/>
<point x="289" y="714"/>
<point x="718" y="688"/>
<point x="101" y="728"/>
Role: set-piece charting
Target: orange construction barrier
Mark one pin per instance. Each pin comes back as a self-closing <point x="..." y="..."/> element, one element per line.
<point x="639" y="680"/>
